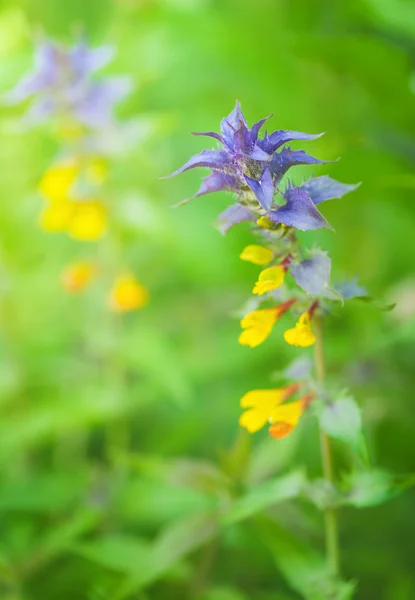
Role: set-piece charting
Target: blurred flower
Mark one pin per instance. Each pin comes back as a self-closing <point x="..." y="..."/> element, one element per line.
<point x="84" y="220"/>
<point x="266" y="406"/>
<point x="127" y="294"/>
<point x="302" y="334"/>
<point x="269" y="279"/>
<point x="258" y="324"/>
<point x="253" y="168"/>
<point x="76" y="276"/>
<point x="258" y="255"/>
<point x="62" y="85"/>
<point x="64" y="185"/>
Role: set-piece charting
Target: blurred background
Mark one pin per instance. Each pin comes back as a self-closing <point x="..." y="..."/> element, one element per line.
<point x="119" y="438"/>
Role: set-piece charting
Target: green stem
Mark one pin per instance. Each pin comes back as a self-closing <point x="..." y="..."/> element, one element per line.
<point x="330" y="515"/>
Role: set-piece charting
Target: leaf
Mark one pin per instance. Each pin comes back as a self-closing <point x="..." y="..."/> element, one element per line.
<point x="305" y="569"/>
<point x="341" y="419"/>
<point x="266" y="495"/>
<point x="313" y="276"/>
<point x="173" y="544"/>
<point x="369" y="488"/>
<point x="115" y="551"/>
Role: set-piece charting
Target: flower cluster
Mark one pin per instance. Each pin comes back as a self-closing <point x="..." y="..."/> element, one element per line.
<point x="64" y="90"/>
<point x="254" y="169"/>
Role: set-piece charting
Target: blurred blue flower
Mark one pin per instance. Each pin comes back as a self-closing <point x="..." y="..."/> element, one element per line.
<point x="62" y="84"/>
<point x="253" y="169"/>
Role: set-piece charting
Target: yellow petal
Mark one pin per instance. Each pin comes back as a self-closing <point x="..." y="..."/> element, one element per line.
<point x="127" y="294"/>
<point x="302" y="334"/>
<point x="258" y="255"/>
<point x="264" y="399"/>
<point x="253" y="419"/>
<point x="284" y="418"/>
<point x="89" y="220"/>
<point x="77" y="276"/>
<point x="57" y="181"/>
<point x="261" y="318"/>
<point x="269" y="279"/>
<point x="56" y="216"/>
<point x="253" y="337"/>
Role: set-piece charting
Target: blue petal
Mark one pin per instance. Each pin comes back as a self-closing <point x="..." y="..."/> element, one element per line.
<point x="278" y="138"/>
<point x="313" y="275"/>
<point x="86" y="60"/>
<point x="299" y="211"/>
<point x="325" y="188"/>
<point x="257" y="154"/>
<point x="236" y="213"/>
<point x="212" y="134"/>
<point x="285" y="159"/>
<point x="235" y="132"/>
<point x="213" y="159"/>
<point x="256" y="128"/>
<point x="351" y="289"/>
<point x="264" y="189"/>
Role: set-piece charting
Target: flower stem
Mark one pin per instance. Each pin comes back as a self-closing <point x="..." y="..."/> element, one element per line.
<point x="330" y="515"/>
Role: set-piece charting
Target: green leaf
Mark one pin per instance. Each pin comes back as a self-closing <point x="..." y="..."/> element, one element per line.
<point x="118" y="552"/>
<point x="369" y="488"/>
<point x="173" y="544"/>
<point x="266" y="495"/>
<point x="341" y="419"/>
<point x="305" y="569"/>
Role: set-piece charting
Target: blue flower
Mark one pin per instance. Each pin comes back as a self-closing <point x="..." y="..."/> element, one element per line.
<point x="253" y="168"/>
<point x="62" y="84"/>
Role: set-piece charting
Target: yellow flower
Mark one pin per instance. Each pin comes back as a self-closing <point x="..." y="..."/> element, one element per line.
<point x="258" y="255"/>
<point x="88" y="220"/>
<point x="76" y="276"/>
<point x="58" y="180"/>
<point x="302" y="334"/>
<point x="265" y="406"/>
<point x="56" y="216"/>
<point x="127" y="294"/>
<point x="257" y="326"/>
<point x="269" y="279"/>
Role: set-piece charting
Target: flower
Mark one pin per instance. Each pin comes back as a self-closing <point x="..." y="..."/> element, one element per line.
<point x="269" y="279"/>
<point x="258" y="324"/>
<point x="302" y="334"/>
<point x="127" y="294"/>
<point x="266" y="406"/>
<point x="76" y="276"/>
<point x="58" y="180"/>
<point x="253" y="167"/>
<point x="82" y="217"/>
<point x="258" y="255"/>
<point x="84" y="220"/>
<point x="62" y="85"/>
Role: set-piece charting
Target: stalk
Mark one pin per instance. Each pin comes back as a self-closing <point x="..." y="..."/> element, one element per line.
<point x="330" y="514"/>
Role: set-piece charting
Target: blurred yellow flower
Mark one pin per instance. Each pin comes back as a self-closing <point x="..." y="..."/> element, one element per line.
<point x="264" y="406"/>
<point x="127" y="294"/>
<point x="258" y="255"/>
<point x="302" y="334"/>
<point x="84" y="220"/>
<point x="88" y="221"/>
<point x="76" y="276"/>
<point x="269" y="279"/>
<point x="58" y="180"/>
<point x="56" y="216"/>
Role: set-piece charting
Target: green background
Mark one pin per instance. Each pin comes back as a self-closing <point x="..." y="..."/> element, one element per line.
<point x="119" y="438"/>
